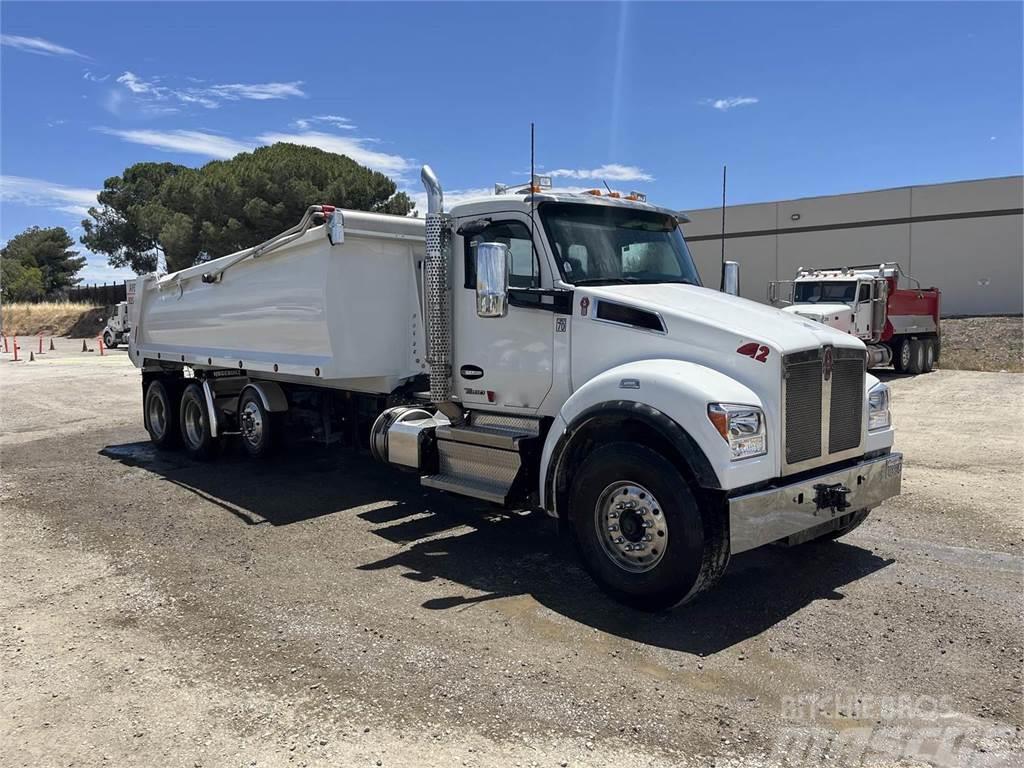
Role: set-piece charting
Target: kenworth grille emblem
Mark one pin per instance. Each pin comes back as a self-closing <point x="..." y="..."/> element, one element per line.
<point x="826" y="364"/>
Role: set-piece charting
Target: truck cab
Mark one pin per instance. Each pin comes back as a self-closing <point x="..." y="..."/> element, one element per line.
<point x="118" y="326"/>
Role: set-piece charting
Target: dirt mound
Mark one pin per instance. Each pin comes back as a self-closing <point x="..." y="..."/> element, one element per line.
<point x="77" y="320"/>
<point x="983" y="344"/>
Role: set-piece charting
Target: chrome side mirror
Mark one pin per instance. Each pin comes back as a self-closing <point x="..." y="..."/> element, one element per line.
<point x="493" y="261"/>
<point x="731" y="277"/>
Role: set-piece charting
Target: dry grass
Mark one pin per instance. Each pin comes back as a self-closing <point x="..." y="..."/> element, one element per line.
<point x="51" y="318"/>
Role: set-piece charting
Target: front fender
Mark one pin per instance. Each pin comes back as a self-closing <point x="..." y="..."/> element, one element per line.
<point x="679" y="390"/>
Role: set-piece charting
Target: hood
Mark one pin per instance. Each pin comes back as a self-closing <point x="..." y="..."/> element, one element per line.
<point x="684" y="306"/>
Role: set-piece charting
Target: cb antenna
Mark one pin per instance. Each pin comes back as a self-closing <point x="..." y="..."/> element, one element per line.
<point x="724" y="169"/>
<point x="533" y="190"/>
<point x="606" y="186"/>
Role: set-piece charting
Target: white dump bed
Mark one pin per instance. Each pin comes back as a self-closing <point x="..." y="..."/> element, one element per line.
<point x="346" y="315"/>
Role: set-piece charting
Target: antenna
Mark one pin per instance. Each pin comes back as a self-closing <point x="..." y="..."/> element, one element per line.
<point x="533" y="190"/>
<point x="723" y="215"/>
<point x="606" y="186"/>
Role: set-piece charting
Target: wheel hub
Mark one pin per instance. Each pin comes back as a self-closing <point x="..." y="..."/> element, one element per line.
<point x="251" y="424"/>
<point x="631" y="526"/>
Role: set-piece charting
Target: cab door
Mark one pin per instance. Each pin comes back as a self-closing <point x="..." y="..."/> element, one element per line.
<point x="864" y="311"/>
<point x="503" y="363"/>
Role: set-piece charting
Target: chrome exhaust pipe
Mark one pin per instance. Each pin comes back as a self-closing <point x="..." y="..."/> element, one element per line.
<point x="436" y="310"/>
<point x="435" y="195"/>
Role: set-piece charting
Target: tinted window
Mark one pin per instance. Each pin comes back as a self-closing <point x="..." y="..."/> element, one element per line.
<point x="599" y="244"/>
<point x="516" y="235"/>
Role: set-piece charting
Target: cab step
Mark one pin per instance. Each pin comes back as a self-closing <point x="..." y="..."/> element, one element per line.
<point x="481" y="458"/>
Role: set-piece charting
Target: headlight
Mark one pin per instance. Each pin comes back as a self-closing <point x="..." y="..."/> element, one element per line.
<point x="742" y="427"/>
<point x="878" y="407"/>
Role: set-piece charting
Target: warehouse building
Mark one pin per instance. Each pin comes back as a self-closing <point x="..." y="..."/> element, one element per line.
<point x="965" y="238"/>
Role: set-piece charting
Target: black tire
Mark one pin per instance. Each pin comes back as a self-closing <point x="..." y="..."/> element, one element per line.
<point x="856" y="518"/>
<point x="697" y="549"/>
<point x="108" y="340"/>
<point x="902" y="355"/>
<point x="261" y="430"/>
<point x="917" y="359"/>
<point x="929" y="355"/>
<point x="194" y="424"/>
<point x="160" y="413"/>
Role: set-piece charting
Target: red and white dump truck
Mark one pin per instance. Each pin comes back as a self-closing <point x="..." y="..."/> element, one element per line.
<point x="536" y="350"/>
<point x="895" y="317"/>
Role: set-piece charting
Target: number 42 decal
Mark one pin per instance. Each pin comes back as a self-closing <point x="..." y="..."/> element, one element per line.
<point x="757" y="351"/>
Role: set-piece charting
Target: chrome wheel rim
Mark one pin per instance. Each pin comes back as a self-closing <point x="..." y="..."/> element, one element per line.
<point x="251" y="423"/>
<point x="905" y="355"/>
<point x="157" y="415"/>
<point x="193" y="418"/>
<point x="631" y="526"/>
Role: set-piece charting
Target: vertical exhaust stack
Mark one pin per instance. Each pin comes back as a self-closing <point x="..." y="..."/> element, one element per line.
<point x="437" y="311"/>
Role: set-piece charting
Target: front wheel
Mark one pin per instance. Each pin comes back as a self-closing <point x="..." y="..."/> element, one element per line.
<point x="108" y="340"/>
<point x="640" y="532"/>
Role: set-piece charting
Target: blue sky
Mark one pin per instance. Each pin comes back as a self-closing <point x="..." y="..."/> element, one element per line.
<point x="799" y="99"/>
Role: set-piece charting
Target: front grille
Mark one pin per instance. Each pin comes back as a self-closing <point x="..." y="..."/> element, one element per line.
<point x="803" y="409"/>
<point x="809" y="397"/>
<point x="847" y="407"/>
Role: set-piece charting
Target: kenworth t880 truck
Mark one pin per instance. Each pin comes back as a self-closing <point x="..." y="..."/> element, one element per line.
<point x="535" y="350"/>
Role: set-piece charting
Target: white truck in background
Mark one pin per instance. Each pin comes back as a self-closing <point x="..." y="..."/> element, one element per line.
<point x="118" y="326"/>
<point x="535" y="349"/>
<point x="890" y="311"/>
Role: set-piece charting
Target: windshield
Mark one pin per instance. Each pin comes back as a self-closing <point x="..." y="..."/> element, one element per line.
<point x="842" y="292"/>
<point x="602" y="245"/>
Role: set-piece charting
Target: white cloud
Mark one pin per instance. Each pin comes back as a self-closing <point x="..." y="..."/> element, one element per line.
<point x="607" y="172"/>
<point x="189" y="142"/>
<point x="258" y="91"/>
<point x="335" y="121"/>
<point x="92" y="77"/>
<point x="74" y="201"/>
<point x="39" y="46"/>
<point x="733" y="101"/>
<point x="153" y="90"/>
<point x="355" y="148"/>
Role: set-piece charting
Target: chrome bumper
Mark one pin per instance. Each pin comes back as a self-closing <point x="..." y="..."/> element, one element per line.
<point x="767" y="516"/>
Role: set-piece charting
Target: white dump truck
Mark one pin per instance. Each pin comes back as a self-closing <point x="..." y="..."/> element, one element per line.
<point x="535" y="350"/>
<point x="118" y="326"/>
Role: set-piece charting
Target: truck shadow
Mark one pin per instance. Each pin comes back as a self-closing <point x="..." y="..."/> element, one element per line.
<point x="495" y="554"/>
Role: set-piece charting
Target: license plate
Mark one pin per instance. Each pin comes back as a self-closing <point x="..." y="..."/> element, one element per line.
<point x="893" y="467"/>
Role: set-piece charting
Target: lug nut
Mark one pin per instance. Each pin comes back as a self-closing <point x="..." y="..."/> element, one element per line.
<point x="613" y="528"/>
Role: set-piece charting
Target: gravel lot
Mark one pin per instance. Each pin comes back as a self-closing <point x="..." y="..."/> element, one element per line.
<point x="324" y="610"/>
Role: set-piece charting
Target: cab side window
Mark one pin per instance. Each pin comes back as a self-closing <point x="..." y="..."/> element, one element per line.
<point x="525" y="271"/>
<point x="864" y="292"/>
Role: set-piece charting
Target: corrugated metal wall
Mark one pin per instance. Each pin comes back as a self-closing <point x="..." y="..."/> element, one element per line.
<point x="966" y="238"/>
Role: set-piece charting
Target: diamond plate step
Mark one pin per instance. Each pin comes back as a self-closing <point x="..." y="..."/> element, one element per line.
<point x="481" y="471"/>
<point x="491" y="438"/>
